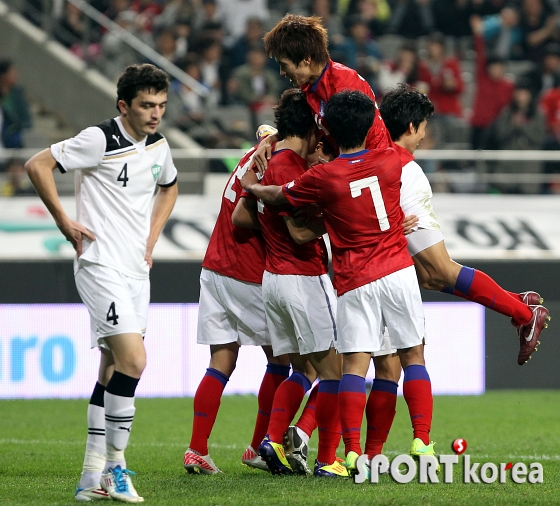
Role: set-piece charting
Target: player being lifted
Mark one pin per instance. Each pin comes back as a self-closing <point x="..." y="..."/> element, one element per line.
<point x="118" y="164"/>
<point x="299" y="299"/>
<point x="406" y="112"/>
<point x="359" y="194"/>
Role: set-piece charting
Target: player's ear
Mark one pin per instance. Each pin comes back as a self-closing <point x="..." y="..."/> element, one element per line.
<point x="319" y="146"/>
<point x="121" y="104"/>
<point x="410" y="130"/>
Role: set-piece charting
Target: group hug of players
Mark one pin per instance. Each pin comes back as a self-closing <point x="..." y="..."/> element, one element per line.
<point x="334" y="164"/>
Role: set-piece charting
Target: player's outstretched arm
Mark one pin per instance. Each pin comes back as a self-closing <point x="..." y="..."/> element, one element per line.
<point x="271" y="194"/>
<point x="245" y="214"/>
<point x="304" y="233"/>
<point x="40" y="171"/>
<point x="166" y="197"/>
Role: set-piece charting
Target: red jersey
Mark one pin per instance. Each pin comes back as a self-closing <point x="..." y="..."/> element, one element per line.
<point x="335" y="78"/>
<point x="445" y="101"/>
<point x="360" y="197"/>
<point x="550" y="105"/>
<point x="228" y="243"/>
<point x="283" y="254"/>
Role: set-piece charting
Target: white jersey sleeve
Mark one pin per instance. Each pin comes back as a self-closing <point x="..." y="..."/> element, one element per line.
<point x="416" y="196"/>
<point x="84" y="151"/>
<point x="168" y="174"/>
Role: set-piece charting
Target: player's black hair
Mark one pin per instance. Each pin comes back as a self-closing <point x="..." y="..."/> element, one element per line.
<point x="293" y="116"/>
<point x="401" y="107"/>
<point x="349" y="115"/>
<point x="135" y="78"/>
<point x="327" y="148"/>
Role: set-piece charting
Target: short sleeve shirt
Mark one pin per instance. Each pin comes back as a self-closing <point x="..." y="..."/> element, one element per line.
<point x="115" y="178"/>
<point x="360" y="197"/>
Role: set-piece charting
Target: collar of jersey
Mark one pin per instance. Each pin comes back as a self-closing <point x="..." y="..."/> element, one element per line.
<point x="353" y="155"/>
<point x="126" y="135"/>
<point x="316" y="83"/>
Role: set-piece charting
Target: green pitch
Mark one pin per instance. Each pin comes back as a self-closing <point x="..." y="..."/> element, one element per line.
<point x="42" y="444"/>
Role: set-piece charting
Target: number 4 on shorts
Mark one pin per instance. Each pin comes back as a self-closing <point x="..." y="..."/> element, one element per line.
<point x="112" y="314"/>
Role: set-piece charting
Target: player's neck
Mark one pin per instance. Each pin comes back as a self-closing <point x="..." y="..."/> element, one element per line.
<point x="315" y="72"/>
<point x="299" y="146"/>
<point x="130" y="131"/>
<point x="353" y="150"/>
<point x="405" y="145"/>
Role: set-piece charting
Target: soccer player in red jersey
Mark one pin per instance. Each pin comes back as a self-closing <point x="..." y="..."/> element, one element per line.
<point x="359" y="194"/>
<point x="406" y="112"/>
<point x="299" y="45"/>
<point x="231" y="314"/>
<point x="299" y="299"/>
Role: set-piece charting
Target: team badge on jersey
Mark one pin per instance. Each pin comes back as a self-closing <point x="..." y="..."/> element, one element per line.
<point x="156" y="169"/>
<point x="322" y="109"/>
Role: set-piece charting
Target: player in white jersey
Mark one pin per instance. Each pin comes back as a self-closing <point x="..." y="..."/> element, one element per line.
<point x="118" y="165"/>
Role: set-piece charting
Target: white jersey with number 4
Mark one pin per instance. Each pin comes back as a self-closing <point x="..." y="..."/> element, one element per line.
<point x="115" y="178"/>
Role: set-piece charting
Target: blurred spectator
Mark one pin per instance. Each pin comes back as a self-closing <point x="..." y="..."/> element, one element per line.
<point x="16" y="182"/>
<point x="15" y="116"/>
<point x="147" y="11"/>
<point x="74" y="28"/>
<point x="359" y="52"/>
<point x="331" y="20"/>
<point x="207" y="13"/>
<point x="116" y="7"/>
<point x="166" y="44"/>
<point x="182" y="37"/>
<point x="254" y="33"/>
<point x="376" y="13"/>
<point x="539" y="27"/>
<point x="174" y="12"/>
<point x="254" y="84"/>
<point x="440" y="77"/>
<point x="411" y="18"/>
<point x="520" y="126"/>
<point x="503" y="34"/>
<point x="117" y="53"/>
<point x="235" y="14"/>
<point x="493" y="90"/>
<point x="214" y="70"/>
<point x="545" y="75"/>
<point x="403" y="70"/>
<point x="451" y="17"/>
<point x="550" y="105"/>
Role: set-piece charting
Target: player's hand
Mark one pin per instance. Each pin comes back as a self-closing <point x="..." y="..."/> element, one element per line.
<point x="409" y="223"/>
<point x="148" y="257"/>
<point x="248" y="179"/>
<point x="74" y="233"/>
<point x="262" y="155"/>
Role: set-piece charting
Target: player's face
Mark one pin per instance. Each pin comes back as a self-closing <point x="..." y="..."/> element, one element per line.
<point x="297" y="75"/>
<point x="143" y="115"/>
<point x="419" y="134"/>
<point x="318" y="156"/>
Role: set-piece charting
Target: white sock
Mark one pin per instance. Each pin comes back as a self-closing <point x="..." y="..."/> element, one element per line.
<point x="92" y="469"/>
<point x="302" y="435"/>
<point x="119" y="415"/>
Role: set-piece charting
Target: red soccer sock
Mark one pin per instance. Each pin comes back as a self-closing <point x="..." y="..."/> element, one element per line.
<point x="417" y="390"/>
<point x="351" y="404"/>
<point x="328" y="421"/>
<point x="273" y="378"/>
<point x="307" y="421"/>
<point x="286" y="403"/>
<point x="478" y="287"/>
<point x="380" y="413"/>
<point x="205" y="406"/>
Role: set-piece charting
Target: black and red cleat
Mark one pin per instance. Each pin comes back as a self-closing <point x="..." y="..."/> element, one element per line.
<point x="530" y="332"/>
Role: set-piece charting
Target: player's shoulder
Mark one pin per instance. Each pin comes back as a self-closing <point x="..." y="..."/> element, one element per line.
<point x="156" y="138"/>
<point x="114" y="139"/>
<point x="343" y="77"/>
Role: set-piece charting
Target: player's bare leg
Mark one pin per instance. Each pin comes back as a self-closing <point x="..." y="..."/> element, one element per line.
<point x="129" y="357"/>
<point x="206" y="403"/>
<point x="277" y="370"/>
<point x="437" y="271"/>
<point x="382" y="402"/>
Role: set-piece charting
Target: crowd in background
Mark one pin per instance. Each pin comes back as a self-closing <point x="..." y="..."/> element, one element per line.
<point x="219" y="44"/>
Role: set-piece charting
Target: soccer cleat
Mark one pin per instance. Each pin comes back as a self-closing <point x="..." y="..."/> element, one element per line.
<point x="274" y="456"/>
<point x="531" y="298"/>
<point x="350" y="463"/>
<point x="118" y="485"/>
<point x="91" y="494"/>
<point x="252" y="459"/>
<point x="530" y="332"/>
<point x="195" y="463"/>
<point x="418" y="449"/>
<point x="334" y="470"/>
<point x="296" y="451"/>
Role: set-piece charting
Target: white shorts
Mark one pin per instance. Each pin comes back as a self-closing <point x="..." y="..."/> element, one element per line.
<point x="230" y="311"/>
<point x="117" y="304"/>
<point x="393" y="301"/>
<point x="386" y="348"/>
<point x="422" y="239"/>
<point x="300" y="312"/>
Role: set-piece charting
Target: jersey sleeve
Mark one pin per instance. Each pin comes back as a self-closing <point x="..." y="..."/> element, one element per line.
<point x="84" y="151"/>
<point x="304" y="190"/>
<point x="168" y="174"/>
